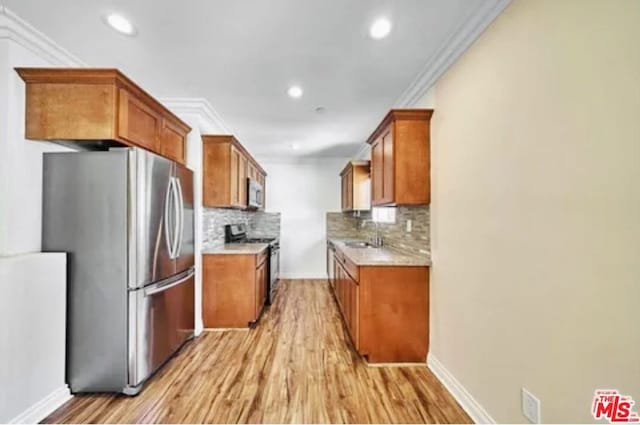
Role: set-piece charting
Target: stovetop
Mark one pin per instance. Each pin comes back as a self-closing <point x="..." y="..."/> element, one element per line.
<point x="237" y="233"/>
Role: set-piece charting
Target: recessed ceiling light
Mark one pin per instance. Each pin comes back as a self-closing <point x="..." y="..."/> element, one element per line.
<point x="295" y="146"/>
<point x="380" y="28"/>
<point x="120" y="24"/>
<point x="295" y="92"/>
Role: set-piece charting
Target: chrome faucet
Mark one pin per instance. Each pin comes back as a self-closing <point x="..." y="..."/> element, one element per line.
<point x="378" y="241"/>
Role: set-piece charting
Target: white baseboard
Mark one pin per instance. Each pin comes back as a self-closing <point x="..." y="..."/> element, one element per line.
<point x="44" y="407"/>
<point x="301" y="276"/>
<point x="460" y="393"/>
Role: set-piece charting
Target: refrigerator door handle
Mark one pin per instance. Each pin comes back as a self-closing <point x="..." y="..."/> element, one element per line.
<point x="180" y="233"/>
<point x="167" y="211"/>
<point x="176" y="218"/>
<point x="163" y="286"/>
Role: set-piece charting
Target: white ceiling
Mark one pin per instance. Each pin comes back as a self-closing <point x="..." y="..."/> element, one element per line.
<point x="242" y="55"/>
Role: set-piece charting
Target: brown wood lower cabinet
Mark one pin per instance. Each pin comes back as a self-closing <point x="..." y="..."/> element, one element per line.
<point x="385" y="309"/>
<point x="234" y="289"/>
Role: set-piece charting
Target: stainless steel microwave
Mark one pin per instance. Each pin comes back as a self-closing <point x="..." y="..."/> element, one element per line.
<point x="255" y="194"/>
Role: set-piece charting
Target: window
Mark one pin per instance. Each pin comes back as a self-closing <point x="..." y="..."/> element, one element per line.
<point x="383" y="215"/>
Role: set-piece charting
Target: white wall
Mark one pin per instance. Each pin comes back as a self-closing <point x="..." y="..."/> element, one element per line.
<point x="32" y="335"/>
<point x="303" y="191"/>
<point x="32" y="286"/>
<point x="21" y="160"/>
<point x="535" y="209"/>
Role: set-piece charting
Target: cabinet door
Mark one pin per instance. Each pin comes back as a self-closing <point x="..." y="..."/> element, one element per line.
<point x="354" y="304"/>
<point x="263" y="182"/>
<point x="342" y="289"/>
<point x="138" y="123"/>
<point x="339" y="285"/>
<point x="388" y="164"/>
<point x="261" y="289"/>
<point x="253" y="172"/>
<point x="349" y="177"/>
<point x="377" y="172"/>
<point x="172" y="143"/>
<point x="343" y="197"/>
<point x="234" y="177"/>
<point x="336" y="288"/>
<point x="335" y="268"/>
<point x="347" y="302"/>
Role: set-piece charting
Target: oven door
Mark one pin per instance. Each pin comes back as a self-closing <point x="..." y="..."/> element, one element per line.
<point x="274" y="267"/>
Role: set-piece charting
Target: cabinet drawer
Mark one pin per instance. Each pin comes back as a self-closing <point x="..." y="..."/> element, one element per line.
<point x="138" y="123"/>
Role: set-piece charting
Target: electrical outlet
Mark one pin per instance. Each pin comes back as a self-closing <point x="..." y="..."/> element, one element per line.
<point x="409" y="223"/>
<point x="530" y="406"/>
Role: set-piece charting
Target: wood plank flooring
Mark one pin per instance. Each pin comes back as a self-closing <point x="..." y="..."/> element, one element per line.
<point x="297" y="366"/>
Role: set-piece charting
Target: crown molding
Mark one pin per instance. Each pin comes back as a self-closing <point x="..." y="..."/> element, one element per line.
<point x="457" y="43"/>
<point x="209" y="119"/>
<point x="452" y="49"/>
<point x="14" y="28"/>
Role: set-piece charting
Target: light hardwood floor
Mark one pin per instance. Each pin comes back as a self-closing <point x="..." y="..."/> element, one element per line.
<point x="296" y="366"/>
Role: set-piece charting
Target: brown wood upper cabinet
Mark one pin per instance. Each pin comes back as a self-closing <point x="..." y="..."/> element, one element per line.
<point x="356" y="194"/>
<point x="103" y="106"/>
<point x="226" y="166"/>
<point x="400" y="159"/>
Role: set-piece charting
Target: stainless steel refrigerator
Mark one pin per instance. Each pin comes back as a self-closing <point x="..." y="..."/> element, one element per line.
<point x="125" y="218"/>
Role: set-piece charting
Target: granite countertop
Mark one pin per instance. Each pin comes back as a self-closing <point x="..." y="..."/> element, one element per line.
<point x="379" y="256"/>
<point x="237" y="248"/>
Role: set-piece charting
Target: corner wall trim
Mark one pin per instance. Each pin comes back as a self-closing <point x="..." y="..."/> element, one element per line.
<point x="457" y="43"/>
<point x="470" y="405"/>
<point x="44" y="407"/>
<point x="14" y="28"/>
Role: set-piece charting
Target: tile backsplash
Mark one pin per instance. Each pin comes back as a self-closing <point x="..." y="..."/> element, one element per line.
<point x="342" y="226"/>
<point x="259" y="224"/>
<point x="395" y="235"/>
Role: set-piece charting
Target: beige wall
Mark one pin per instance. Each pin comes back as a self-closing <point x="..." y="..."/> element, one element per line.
<point x="536" y="209"/>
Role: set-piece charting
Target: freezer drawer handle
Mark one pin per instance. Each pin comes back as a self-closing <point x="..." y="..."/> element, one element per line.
<point x="164" y="287"/>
